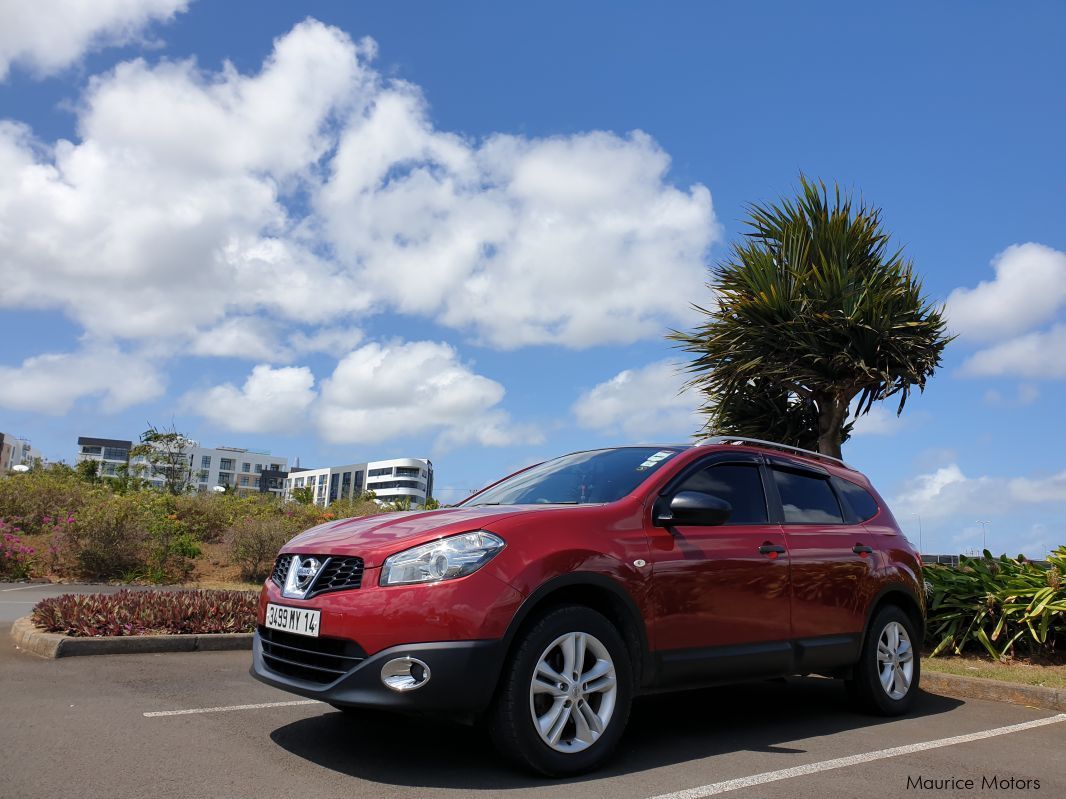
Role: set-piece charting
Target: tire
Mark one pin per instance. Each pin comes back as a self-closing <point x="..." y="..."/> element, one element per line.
<point x="891" y="631"/>
<point x="529" y="700"/>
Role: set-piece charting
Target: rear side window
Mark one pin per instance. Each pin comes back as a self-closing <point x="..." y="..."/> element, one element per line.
<point x="807" y="499"/>
<point x="862" y="504"/>
<point x="737" y="484"/>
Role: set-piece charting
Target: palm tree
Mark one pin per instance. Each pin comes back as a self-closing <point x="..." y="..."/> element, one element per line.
<point x="813" y="310"/>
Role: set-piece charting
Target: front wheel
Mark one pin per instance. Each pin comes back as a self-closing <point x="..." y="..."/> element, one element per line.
<point x="565" y="694"/>
<point x="887" y="674"/>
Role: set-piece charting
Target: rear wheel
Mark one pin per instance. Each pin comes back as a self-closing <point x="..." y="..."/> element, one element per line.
<point x="887" y="674"/>
<point x="565" y="694"/>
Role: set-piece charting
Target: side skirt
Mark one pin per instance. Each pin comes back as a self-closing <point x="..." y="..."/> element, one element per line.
<point x="694" y="668"/>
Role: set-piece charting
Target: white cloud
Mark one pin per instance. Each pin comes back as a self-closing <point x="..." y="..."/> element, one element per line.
<point x="573" y="240"/>
<point x="168" y="215"/>
<point x="1039" y="355"/>
<point x="48" y="35"/>
<point x="378" y="392"/>
<point x="880" y="421"/>
<point x="948" y="492"/>
<point x="1028" y="290"/>
<point x="53" y="382"/>
<point x="642" y="404"/>
<point x="316" y="191"/>
<point x="1026" y="394"/>
<point x="271" y="400"/>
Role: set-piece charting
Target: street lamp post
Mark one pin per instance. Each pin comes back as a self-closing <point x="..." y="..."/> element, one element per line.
<point x="984" y="534"/>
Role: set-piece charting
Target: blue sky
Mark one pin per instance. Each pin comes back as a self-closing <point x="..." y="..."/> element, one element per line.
<point x="354" y="231"/>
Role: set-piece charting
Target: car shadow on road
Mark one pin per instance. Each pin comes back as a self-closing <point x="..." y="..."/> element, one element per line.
<point x="663" y="731"/>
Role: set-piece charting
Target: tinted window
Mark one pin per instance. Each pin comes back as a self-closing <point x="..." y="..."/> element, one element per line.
<point x="862" y="504"/>
<point x="599" y="476"/>
<point x="738" y="485"/>
<point x="807" y="499"/>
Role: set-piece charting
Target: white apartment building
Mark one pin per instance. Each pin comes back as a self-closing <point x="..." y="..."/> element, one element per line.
<point x="110" y="453"/>
<point x="221" y="466"/>
<point x="232" y="466"/>
<point x="16" y="451"/>
<point x="391" y="480"/>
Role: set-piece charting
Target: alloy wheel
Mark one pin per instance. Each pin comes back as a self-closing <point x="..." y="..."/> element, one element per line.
<point x="573" y="692"/>
<point x="895" y="660"/>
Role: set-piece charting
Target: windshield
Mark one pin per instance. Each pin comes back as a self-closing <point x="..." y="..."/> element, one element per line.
<point x="603" y="475"/>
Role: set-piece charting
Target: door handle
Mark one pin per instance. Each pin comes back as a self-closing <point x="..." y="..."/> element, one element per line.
<point x="772" y="550"/>
<point x="862" y="550"/>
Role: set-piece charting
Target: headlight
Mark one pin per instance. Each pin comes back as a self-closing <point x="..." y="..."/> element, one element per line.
<point x="446" y="559"/>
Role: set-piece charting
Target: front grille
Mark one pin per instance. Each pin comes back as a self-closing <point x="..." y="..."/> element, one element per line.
<point x="336" y="574"/>
<point x="320" y="660"/>
<point x="281" y="568"/>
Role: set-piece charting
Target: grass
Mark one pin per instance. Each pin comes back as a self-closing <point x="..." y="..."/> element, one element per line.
<point x="1046" y="672"/>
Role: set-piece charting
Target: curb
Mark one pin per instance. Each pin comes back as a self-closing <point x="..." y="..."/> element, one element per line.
<point x="994" y="690"/>
<point x="29" y="637"/>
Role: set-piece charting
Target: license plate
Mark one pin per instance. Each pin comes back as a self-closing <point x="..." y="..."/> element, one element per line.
<point x="293" y="620"/>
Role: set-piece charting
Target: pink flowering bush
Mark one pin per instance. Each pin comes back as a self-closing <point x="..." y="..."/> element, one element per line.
<point x="14" y="555"/>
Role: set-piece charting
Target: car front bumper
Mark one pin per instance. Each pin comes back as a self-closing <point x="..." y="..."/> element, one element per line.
<point x="463" y="677"/>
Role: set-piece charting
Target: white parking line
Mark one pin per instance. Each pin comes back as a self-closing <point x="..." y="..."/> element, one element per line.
<point x="853" y="760"/>
<point x="25" y="587"/>
<point x="230" y="707"/>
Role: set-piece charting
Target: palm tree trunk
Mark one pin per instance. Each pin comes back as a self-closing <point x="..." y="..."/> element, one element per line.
<point x="832" y="411"/>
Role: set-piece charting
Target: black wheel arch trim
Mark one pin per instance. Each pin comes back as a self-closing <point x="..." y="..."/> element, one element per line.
<point x="899" y="589"/>
<point x="591" y="580"/>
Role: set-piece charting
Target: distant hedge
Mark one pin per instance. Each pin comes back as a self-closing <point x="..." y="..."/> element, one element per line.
<point x="148" y="613"/>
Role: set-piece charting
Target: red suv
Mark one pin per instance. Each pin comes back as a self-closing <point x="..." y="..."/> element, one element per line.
<point x="544" y="603"/>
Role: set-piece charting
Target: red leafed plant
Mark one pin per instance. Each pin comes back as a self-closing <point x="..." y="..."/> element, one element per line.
<point x="148" y="613"/>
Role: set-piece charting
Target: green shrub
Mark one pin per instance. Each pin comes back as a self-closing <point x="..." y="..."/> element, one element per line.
<point x="107" y="540"/>
<point x="148" y="613"/>
<point x="254" y="543"/>
<point x="998" y="603"/>
<point x="35" y="499"/>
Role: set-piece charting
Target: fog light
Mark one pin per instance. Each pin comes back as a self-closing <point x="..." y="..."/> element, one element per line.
<point x="404" y="674"/>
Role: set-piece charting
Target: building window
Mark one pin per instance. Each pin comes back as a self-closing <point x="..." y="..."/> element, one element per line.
<point x="276" y="467"/>
<point x="403" y="471"/>
<point x="299" y="482"/>
<point x="259" y="468"/>
<point x="244" y="480"/>
<point x="246" y="467"/>
<point x="116" y="454"/>
<point x="379" y="472"/>
<point x="205" y="461"/>
<point x="226" y="464"/>
<point x="91" y="450"/>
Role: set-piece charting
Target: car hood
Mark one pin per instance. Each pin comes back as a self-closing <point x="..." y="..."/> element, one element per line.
<point x="374" y="538"/>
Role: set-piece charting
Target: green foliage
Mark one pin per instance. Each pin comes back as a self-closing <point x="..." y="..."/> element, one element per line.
<point x="431" y="504"/>
<point x="255" y="542"/>
<point x="89" y="471"/>
<point x="165" y="450"/>
<point x="148" y="613"/>
<point x="305" y="495"/>
<point x="34" y="499"/>
<point x="999" y="604"/>
<point x="106" y="540"/>
<point x="813" y="311"/>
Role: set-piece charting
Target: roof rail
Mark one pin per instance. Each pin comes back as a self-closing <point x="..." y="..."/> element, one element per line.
<point x="786" y="447"/>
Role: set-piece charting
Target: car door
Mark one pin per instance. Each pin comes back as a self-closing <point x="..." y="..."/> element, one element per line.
<point x="832" y="559"/>
<point x="720" y="594"/>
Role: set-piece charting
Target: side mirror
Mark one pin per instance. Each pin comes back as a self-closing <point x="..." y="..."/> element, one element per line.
<point x="693" y="508"/>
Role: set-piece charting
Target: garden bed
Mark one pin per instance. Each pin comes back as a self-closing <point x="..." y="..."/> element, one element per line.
<point x="146" y="613"/>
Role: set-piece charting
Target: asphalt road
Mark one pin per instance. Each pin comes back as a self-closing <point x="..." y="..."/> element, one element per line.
<point x="78" y="727"/>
